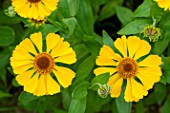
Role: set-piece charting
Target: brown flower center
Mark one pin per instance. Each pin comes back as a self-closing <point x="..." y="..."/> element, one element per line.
<point x="43" y="63"/>
<point x="127" y="68"/>
<point x="34" y="1"/>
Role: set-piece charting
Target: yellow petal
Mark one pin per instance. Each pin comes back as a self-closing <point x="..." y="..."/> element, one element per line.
<point x="133" y="43"/>
<point x="18" y="63"/>
<point x="52" y="39"/>
<point x="151" y="61"/>
<point x="37" y="40"/>
<point x="21" y="53"/>
<point x="55" y="50"/>
<point x="101" y="70"/>
<point x="27" y="44"/>
<point x="107" y="52"/>
<point x="21" y="69"/>
<point x="103" y="61"/>
<point x="52" y="86"/>
<point x="128" y="93"/>
<point x="32" y="85"/>
<point x="143" y="49"/>
<point x="24" y="77"/>
<point x="41" y="86"/>
<point x="69" y="58"/>
<point x="64" y="75"/>
<point x="121" y="45"/>
<point x="113" y="79"/>
<point x="149" y="76"/>
<point x="116" y="88"/>
<point x="138" y="90"/>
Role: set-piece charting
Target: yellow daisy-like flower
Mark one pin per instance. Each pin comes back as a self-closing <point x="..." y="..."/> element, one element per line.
<point x="164" y="4"/>
<point x="140" y="75"/>
<point x="37" y="69"/>
<point x="34" y="9"/>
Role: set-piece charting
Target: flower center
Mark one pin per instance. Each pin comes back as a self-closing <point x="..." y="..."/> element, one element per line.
<point x="34" y="1"/>
<point x="127" y="68"/>
<point x="43" y="63"/>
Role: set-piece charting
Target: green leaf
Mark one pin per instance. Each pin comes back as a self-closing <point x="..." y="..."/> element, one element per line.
<point x="4" y="57"/>
<point x="166" y="74"/>
<point x="86" y="67"/>
<point x="144" y="9"/>
<point x="101" y="79"/>
<point x="99" y="2"/>
<point x="66" y="98"/>
<point x="73" y="6"/>
<point x="157" y="49"/>
<point x="3" y="75"/>
<point x="8" y="20"/>
<point x="26" y="97"/>
<point x="134" y="27"/>
<point x="160" y="89"/>
<point x="85" y="17"/>
<point x="77" y="106"/>
<point x="139" y="108"/>
<point x="124" y="14"/>
<point x="166" y="105"/>
<point x="4" y="94"/>
<point x="109" y="9"/>
<point x="15" y="83"/>
<point x="79" y="48"/>
<point x="7" y="36"/>
<point x="63" y="9"/>
<point x="93" y="47"/>
<point x="166" y="63"/>
<point x="80" y="91"/>
<point x="71" y="24"/>
<point x="107" y="40"/>
<point x="123" y="106"/>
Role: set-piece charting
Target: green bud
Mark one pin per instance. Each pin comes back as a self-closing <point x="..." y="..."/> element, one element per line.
<point x="152" y="33"/>
<point x="103" y="90"/>
<point x="10" y="11"/>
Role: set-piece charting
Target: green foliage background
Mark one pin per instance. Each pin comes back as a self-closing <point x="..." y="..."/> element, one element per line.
<point x="87" y="25"/>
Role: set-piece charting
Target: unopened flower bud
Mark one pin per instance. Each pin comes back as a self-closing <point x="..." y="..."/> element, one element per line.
<point x="10" y="11"/>
<point x="103" y="90"/>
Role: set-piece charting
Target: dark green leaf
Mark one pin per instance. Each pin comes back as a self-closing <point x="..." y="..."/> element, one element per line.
<point x="144" y="9"/>
<point x="166" y="105"/>
<point x="71" y="24"/>
<point x="85" y="17"/>
<point x="73" y="6"/>
<point x="77" y="106"/>
<point x="107" y="40"/>
<point x="160" y="89"/>
<point x="140" y="107"/>
<point x="109" y="9"/>
<point x="123" y="106"/>
<point x="80" y="91"/>
<point x="134" y="27"/>
<point x="7" y="36"/>
<point x="101" y="79"/>
<point x="27" y="97"/>
<point x="124" y="14"/>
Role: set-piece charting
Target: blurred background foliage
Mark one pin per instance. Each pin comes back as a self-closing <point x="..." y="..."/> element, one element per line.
<point x="87" y="25"/>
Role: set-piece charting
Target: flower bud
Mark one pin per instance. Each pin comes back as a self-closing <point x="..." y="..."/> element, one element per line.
<point x="10" y="11"/>
<point x="103" y="90"/>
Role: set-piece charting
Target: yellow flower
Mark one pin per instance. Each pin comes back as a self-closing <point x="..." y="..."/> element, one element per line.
<point x="140" y="75"/>
<point x="164" y="4"/>
<point x="37" y="70"/>
<point x="34" y="9"/>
